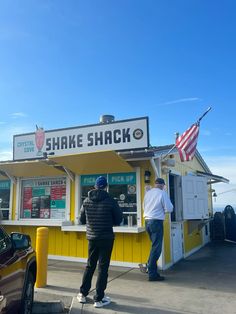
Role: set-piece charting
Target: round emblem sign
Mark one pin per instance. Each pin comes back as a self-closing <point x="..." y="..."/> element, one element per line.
<point x="122" y="197"/>
<point x="131" y="189"/>
<point x="138" y="134"/>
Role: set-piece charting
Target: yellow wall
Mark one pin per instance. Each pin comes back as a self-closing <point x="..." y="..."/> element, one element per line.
<point x="133" y="248"/>
<point x="128" y="247"/>
<point x="192" y="240"/>
<point x="167" y="240"/>
<point x="72" y="201"/>
<point x="14" y="202"/>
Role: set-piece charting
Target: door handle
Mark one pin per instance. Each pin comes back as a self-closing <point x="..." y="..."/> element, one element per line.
<point x="3" y="302"/>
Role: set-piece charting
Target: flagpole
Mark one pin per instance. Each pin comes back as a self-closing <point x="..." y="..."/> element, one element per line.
<point x="208" y="109"/>
<point x="198" y="121"/>
<point x="162" y="158"/>
<point x="172" y="148"/>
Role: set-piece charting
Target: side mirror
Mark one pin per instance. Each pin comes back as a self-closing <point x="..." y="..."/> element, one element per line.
<point x="20" y="241"/>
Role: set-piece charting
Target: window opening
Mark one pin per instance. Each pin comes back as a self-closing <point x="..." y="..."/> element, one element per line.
<point x="5" y="187"/>
<point x="122" y="187"/>
<point x="44" y="198"/>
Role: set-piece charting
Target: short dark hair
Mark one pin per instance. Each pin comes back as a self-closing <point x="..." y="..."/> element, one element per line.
<point x="160" y="181"/>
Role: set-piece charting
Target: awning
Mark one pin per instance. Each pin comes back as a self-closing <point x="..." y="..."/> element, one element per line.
<point x="212" y="178"/>
<point x="34" y="168"/>
<point x="92" y="163"/>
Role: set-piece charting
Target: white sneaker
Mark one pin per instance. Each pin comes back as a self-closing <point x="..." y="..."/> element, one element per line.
<point x="143" y="268"/>
<point x="81" y="298"/>
<point x="105" y="301"/>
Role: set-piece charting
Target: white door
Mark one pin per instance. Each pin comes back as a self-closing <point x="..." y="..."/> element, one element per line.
<point x="195" y="197"/>
<point x="177" y="241"/>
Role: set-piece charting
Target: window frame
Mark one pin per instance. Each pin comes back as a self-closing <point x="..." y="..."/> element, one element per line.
<point x="42" y="221"/>
<point x="78" y="201"/>
<point x="10" y="201"/>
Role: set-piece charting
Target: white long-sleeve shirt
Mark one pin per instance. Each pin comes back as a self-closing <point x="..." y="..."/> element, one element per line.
<point x="156" y="203"/>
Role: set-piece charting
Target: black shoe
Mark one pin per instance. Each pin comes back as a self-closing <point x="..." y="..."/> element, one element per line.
<point x="157" y="278"/>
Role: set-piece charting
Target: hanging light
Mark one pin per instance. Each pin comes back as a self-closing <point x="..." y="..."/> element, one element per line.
<point x="214" y="195"/>
<point x="147" y="176"/>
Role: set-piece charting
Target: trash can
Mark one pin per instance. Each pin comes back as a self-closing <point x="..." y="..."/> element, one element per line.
<point x="230" y="223"/>
<point x="218" y="227"/>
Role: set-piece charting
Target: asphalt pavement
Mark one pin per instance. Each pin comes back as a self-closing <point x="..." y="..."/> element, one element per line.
<point x="204" y="283"/>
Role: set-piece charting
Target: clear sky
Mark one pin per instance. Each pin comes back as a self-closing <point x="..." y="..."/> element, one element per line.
<point x="65" y="63"/>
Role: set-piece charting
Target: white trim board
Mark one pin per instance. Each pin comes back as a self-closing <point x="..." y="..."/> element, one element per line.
<point x="84" y="260"/>
<point x="32" y="223"/>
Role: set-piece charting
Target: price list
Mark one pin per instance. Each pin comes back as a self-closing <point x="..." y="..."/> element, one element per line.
<point x="58" y="192"/>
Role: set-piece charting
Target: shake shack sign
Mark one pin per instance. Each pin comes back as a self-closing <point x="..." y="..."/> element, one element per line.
<point x="118" y="135"/>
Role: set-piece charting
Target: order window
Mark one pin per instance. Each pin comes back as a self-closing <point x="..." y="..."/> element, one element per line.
<point x="122" y="187"/>
<point x="5" y="189"/>
<point x="44" y="198"/>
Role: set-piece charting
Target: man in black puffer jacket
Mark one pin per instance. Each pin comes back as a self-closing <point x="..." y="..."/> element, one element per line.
<point x="100" y="212"/>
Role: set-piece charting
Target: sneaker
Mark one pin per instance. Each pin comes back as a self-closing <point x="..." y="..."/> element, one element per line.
<point x="143" y="268"/>
<point x="157" y="278"/>
<point x="105" y="301"/>
<point x="106" y="298"/>
<point x="81" y="298"/>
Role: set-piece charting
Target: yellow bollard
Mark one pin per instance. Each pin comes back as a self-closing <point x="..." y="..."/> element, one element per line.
<point x="41" y="256"/>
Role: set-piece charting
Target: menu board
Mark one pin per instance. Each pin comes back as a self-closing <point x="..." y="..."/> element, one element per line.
<point x="27" y="198"/>
<point x="44" y="199"/>
<point x="121" y="186"/>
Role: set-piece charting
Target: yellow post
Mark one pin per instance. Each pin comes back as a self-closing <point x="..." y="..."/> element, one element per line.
<point x="41" y="256"/>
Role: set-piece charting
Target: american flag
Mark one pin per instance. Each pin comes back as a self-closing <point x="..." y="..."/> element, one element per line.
<point x="187" y="143"/>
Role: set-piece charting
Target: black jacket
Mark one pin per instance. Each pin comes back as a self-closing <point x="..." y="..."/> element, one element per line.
<point x="100" y="212"/>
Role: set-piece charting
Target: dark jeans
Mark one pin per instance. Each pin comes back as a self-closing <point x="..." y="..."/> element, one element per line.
<point x="154" y="229"/>
<point x="98" y="251"/>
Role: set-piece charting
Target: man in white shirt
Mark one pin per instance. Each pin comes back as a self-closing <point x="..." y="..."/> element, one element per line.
<point x="156" y="203"/>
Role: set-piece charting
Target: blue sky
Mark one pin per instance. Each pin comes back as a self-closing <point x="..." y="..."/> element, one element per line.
<point x="65" y="63"/>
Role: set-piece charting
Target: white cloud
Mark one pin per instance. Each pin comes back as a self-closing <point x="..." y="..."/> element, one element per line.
<point x="6" y="155"/>
<point x="18" y="115"/>
<point x="177" y="101"/>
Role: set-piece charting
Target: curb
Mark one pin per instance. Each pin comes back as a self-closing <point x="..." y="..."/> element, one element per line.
<point x="54" y="307"/>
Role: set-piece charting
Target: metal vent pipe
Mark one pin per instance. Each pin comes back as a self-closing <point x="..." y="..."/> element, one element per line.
<point x="107" y="118"/>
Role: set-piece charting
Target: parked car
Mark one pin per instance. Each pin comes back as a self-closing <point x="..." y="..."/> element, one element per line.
<point x="17" y="273"/>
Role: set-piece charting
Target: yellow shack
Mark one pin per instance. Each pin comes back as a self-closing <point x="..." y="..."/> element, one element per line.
<point x="53" y="170"/>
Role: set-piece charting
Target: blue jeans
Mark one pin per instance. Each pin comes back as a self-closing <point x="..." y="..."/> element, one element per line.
<point x="154" y="229"/>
